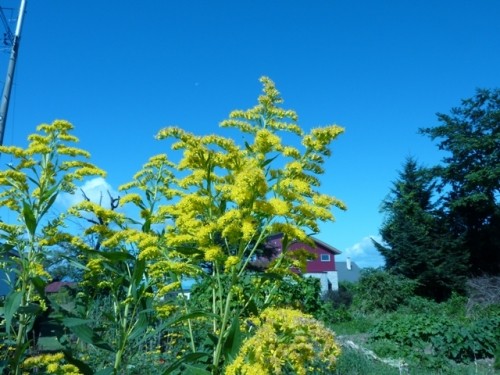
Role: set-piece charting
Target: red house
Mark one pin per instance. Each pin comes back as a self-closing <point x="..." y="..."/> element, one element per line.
<point x="322" y="267"/>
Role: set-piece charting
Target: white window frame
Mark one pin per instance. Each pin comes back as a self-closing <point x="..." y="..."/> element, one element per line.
<point x="325" y="259"/>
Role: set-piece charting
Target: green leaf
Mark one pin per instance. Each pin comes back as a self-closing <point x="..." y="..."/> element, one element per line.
<point x="233" y="341"/>
<point x="248" y="147"/>
<point x="86" y="334"/>
<point x="39" y="285"/>
<point x="30" y="309"/>
<point x="190" y="357"/>
<point x="12" y="303"/>
<point x="48" y="204"/>
<point x="140" y="267"/>
<point x="72" y="322"/>
<point x="146" y="227"/>
<point x="115" y="256"/>
<point x="269" y="161"/>
<point x="149" y="195"/>
<point x="105" y="371"/>
<point x="140" y="327"/>
<point x="5" y="248"/>
<point x="195" y="370"/>
<point x="29" y="218"/>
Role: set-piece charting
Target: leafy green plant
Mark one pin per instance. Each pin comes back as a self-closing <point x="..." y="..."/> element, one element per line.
<point x="434" y="339"/>
<point x="383" y="291"/>
<point x="467" y="342"/>
<point x="38" y="174"/>
<point x="228" y="200"/>
<point x="497" y="358"/>
<point x="208" y="216"/>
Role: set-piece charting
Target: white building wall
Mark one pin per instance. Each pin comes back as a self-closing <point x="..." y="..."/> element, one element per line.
<point x="325" y="278"/>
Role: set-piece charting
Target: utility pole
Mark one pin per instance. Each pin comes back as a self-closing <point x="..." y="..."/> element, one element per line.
<point x="4" y="106"/>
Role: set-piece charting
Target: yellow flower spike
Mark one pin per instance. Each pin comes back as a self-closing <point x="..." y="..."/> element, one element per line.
<point x="131" y="198"/>
<point x="266" y="141"/>
<point x="213" y="254"/>
<point x="231" y="261"/>
<point x="17" y="152"/>
<point x="279" y="206"/>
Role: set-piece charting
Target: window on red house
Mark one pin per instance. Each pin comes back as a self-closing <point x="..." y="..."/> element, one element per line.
<point x="325" y="257"/>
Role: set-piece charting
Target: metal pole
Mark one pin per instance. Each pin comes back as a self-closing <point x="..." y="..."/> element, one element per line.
<point x="10" y="71"/>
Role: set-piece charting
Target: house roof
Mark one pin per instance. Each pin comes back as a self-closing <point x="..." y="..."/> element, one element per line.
<point x="344" y="274"/>
<point x="324" y="245"/>
<point x="331" y="249"/>
<point x="57" y="285"/>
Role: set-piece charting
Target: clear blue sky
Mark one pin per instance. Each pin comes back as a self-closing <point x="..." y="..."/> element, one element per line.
<point x="122" y="70"/>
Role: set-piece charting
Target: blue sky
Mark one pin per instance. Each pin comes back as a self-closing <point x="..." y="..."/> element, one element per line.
<point x="122" y="70"/>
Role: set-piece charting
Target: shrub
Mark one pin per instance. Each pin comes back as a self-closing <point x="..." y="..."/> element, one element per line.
<point x="342" y="297"/>
<point x="418" y="335"/>
<point x="497" y="358"/>
<point x="383" y="291"/>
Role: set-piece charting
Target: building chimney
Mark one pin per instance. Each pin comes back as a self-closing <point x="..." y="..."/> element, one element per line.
<point x="348" y="263"/>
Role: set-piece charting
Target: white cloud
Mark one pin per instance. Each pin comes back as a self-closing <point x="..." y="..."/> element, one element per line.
<point x="96" y="189"/>
<point x="364" y="253"/>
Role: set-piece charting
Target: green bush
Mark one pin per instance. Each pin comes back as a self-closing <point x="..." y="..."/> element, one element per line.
<point x="383" y="291"/>
<point x="497" y="358"/>
<point x="435" y="339"/>
<point x="343" y="297"/>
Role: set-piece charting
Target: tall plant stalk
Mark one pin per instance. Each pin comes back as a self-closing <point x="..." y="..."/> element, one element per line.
<point x="30" y="186"/>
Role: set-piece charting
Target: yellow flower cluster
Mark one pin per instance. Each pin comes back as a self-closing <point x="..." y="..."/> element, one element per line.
<point x="213" y="253"/>
<point x="231" y="261"/>
<point x="15" y="151"/>
<point x="286" y="341"/>
<point x="168" y="288"/>
<point x="319" y="139"/>
<point x="106" y="215"/>
<point x="266" y="141"/>
<point x="160" y="268"/>
<point x="52" y="363"/>
<point x="249" y="183"/>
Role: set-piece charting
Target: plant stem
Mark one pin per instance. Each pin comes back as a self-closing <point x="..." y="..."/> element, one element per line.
<point x="225" y="318"/>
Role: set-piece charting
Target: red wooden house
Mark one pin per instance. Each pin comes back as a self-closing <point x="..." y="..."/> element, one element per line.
<point x="322" y="267"/>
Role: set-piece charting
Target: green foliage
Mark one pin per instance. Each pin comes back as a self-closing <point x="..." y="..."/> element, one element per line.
<point x="470" y="176"/>
<point x="206" y="217"/>
<point x="336" y="304"/>
<point x="342" y="297"/>
<point x="381" y="290"/>
<point x="435" y="339"/>
<point x="49" y="166"/>
<point x="416" y="243"/>
<point x="302" y="294"/>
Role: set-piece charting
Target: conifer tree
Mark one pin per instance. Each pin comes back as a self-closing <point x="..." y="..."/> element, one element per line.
<point x="416" y="243"/>
<point x="470" y="176"/>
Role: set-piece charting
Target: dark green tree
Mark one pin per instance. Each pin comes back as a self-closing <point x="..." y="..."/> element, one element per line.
<point x="416" y="243"/>
<point x="470" y="176"/>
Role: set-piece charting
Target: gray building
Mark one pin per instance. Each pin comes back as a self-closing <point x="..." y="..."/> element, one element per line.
<point x="347" y="271"/>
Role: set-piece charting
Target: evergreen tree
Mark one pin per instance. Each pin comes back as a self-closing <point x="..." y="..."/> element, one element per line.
<point x="416" y="242"/>
<point x="470" y="176"/>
